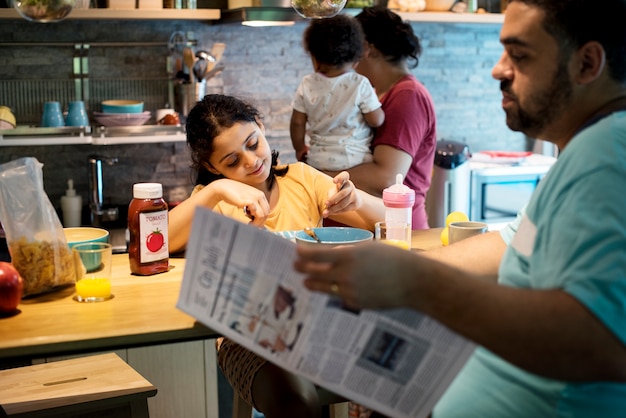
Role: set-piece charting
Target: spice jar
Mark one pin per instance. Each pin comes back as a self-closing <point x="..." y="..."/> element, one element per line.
<point x="148" y="250"/>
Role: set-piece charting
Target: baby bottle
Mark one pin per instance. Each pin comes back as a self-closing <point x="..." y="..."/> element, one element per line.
<point x="398" y="200"/>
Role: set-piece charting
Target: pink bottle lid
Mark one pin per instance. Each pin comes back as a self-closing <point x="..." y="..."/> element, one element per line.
<point x="398" y="195"/>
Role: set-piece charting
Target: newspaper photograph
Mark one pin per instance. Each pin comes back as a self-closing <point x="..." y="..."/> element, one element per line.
<point x="239" y="281"/>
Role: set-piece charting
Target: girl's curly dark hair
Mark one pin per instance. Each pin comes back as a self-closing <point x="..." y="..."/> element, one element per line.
<point x="208" y="119"/>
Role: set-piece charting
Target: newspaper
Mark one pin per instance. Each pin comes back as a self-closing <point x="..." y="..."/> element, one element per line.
<point x="239" y="280"/>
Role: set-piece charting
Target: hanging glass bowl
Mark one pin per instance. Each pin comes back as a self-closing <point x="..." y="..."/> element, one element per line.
<point x="44" y="10"/>
<point x="317" y="9"/>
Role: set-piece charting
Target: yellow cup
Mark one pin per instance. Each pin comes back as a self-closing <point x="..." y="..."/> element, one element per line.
<point x="93" y="271"/>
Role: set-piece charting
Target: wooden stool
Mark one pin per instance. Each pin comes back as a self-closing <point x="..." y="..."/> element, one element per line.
<point x="338" y="405"/>
<point x="95" y="387"/>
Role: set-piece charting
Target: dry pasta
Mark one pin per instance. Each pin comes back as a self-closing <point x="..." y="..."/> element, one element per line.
<point x="43" y="265"/>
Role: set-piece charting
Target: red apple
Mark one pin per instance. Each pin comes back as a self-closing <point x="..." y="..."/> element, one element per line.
<point x="11" y="288"/>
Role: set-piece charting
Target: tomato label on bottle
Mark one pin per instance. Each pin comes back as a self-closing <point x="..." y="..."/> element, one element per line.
<point x="153" y="236"/>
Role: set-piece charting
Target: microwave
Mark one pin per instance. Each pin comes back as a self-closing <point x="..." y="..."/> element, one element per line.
<point x="498" y="192"/>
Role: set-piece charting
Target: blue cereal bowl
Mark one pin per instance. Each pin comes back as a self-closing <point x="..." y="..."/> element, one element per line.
<point x="333" y="236"/>
<point x="122" y="106"/>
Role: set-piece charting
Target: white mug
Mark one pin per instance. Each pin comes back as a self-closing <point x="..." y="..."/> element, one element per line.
<point x="160" y="113"/>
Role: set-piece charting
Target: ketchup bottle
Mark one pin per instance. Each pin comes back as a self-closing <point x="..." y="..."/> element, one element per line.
<point x="148" y="250"/>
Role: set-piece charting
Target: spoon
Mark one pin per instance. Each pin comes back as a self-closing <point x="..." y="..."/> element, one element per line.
<point x="310" y="232"/>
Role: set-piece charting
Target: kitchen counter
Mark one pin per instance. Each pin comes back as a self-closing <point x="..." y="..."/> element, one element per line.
<point x="142" y="312"/>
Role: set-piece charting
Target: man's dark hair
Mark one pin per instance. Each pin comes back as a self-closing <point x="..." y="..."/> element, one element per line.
<point x="573" y="23"/>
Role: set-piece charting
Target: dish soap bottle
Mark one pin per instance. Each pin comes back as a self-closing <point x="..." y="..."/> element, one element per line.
<point x="71" y="206"/>
<point x="398" y="200"/>
<point x="148" y="250"/>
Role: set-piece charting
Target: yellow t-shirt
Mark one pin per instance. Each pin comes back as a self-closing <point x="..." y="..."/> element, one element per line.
<point x="302" y="194"/>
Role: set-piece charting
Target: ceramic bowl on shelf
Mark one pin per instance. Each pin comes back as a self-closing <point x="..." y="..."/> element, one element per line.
<point x="7" y="119"/>
<point x="122" y="106"/>
<point x="122" y="119"/>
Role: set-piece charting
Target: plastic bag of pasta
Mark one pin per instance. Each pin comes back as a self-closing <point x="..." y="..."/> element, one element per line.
<point x="34" y="233"/>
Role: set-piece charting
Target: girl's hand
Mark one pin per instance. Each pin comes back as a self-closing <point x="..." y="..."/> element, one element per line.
<point x="246" y="197"/>
<point x="343" y="196"/>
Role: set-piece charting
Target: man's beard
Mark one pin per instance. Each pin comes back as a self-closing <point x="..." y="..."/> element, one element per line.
<point x="542" y="107"/>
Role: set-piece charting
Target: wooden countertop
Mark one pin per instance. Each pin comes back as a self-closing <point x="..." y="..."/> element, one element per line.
<point x="426" y="239"/>
<point x="143" y="312"/>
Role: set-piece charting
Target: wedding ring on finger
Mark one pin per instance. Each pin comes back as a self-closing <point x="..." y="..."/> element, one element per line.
<point x="334" y="289"/>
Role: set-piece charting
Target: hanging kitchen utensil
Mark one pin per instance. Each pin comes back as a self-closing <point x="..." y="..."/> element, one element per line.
<point x="189" y="60"/>
<point x="204" y="55"/>
<point x="217" y="51"/>
<point x="199" y="68"/>
<point x="203" y="59"/>
<point x="213" y="72"/>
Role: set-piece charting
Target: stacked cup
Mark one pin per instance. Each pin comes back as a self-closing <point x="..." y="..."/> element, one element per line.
<point x="77" y="114"/>
<point x="52" y="116"/>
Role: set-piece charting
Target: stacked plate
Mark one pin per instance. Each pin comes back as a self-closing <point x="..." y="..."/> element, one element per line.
<point x="122" y="119"/>
<point x="122" y="113"/>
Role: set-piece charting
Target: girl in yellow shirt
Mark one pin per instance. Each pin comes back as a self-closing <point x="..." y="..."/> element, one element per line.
<point x="239" y="176"/>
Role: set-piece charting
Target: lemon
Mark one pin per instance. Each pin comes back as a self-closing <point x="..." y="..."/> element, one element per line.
<point x="456" y="216"/>
<point x="444" y="236"/>
<point x="396" y="243"/>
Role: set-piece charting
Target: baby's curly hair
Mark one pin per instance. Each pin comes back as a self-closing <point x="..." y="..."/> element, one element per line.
<point x="334" y="41"/>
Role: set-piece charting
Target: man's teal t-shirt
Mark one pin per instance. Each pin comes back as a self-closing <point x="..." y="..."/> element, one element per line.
<point x="572" y="236"/>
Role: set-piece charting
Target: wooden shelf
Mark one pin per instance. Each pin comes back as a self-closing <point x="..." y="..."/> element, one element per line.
<point x="215" y="14"/>
<point x="451" y="17"/>
<point x="445" y="17"/>
<point x="89" y="140"/>
<point x="131" y="14"/>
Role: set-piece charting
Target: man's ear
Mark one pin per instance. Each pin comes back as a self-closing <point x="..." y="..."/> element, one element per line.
<point x="591" y="62"/>
<point x="210" y="168"/>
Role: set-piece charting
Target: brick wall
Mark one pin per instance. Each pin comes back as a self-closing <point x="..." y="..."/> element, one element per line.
<point x="263" y="64"/>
